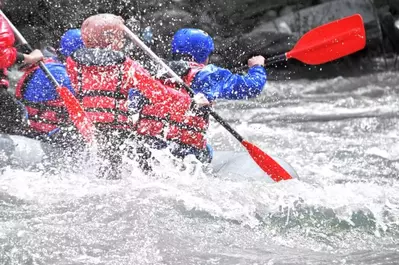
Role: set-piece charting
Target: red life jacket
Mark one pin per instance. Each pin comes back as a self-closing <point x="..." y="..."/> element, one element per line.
<point x="43" y="116"/>
<point x="189" y="129"/>
<point x="8" y="53"/>
<point x="99" y="84"/>
<point x="102" y="79"/>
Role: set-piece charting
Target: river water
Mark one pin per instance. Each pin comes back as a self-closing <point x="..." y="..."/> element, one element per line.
<point x="341" y="136"/>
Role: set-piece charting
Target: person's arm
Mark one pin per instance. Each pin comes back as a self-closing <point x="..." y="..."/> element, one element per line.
<point x="31" y="58"/>
<point x="156" y="92"/>
<point x="216" y="82"/>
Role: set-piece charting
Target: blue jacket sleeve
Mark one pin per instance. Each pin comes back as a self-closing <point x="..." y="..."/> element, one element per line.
<point x="215" y="82"/>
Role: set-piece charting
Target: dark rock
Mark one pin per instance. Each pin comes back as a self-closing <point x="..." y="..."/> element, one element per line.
<point x="271" y="14"/>
<point x="286" y="10"/>
<point x="241" y="28"/>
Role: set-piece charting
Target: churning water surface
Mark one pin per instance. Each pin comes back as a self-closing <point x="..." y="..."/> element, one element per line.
<point x="341" y="135"/>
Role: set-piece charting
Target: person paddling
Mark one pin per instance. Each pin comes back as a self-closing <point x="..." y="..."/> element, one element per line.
<point x="48" y="118"/>
<point x="11" y="112"/>
<point x="191" y="50"/>
<point x="101" y="75"/>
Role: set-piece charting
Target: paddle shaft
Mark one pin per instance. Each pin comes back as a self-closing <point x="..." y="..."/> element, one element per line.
<point x="23" y="41"/>
<point x="147" y="50"/>
<point x="276" y="59"/>
<point x="268" y="61"/>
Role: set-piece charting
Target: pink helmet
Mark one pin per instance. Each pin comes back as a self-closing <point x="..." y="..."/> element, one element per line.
<point x="103" y="31"/>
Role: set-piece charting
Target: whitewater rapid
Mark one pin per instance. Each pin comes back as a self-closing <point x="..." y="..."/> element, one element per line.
<point x="339" y="134"/>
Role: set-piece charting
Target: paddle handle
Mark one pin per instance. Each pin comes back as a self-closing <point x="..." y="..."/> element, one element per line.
<point x="276" y="59"/>
<point x="268" y="61"/>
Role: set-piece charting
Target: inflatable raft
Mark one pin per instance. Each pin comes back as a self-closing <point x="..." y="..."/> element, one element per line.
<point x="26" y="153"/>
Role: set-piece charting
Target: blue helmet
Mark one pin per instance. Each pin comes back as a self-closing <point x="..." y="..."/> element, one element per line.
<point x="194" y="42"/>
<point x="70" y="42"/>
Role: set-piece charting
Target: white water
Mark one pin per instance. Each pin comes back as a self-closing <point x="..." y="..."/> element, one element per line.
<point x="343" y="210"/>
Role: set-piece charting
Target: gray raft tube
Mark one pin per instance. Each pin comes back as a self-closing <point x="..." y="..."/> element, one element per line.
<point x="23" y="152"/>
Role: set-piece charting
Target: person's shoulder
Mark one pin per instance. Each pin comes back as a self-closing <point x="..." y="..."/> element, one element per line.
<point x="130" y="63"/>
<point x="129" y="60"/>
<point x="213" y="68"/>
<point x="132" y="67"/>
<point x="214" y="71"/>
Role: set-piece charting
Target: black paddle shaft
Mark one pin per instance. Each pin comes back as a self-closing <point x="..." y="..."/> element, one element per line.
<point x="216" y="116"/>
<point x="268" y="61"/>
<point x="226" y="126"/>
<point x="275" y="59"/>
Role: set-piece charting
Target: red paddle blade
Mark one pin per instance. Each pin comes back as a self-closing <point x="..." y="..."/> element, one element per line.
<point x="266" y="163"/>
<point x="77" y="114"/>
<point x="330" y="41"/>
